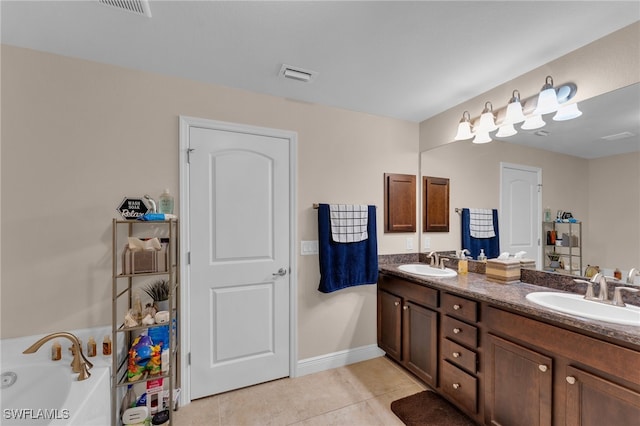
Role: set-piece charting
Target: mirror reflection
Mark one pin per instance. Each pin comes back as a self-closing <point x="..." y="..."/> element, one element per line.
<point x="589" y="166"/>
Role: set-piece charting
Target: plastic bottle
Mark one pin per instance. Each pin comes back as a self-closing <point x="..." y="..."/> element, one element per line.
<point x="482" y="257"/>
<point x="56" y="351"/>
<point x="463" y="263"/>
<point x="106" y="345"/>
<point x="547" y="214"/>
<point x="617" y="274"/>
<point x="91" y="347"/>
<point x="165" y="202"/>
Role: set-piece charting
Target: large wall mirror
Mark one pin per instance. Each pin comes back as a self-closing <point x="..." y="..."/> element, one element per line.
<point x="590" y="167"/>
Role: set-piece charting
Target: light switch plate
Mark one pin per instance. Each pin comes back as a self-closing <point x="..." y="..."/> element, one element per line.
<point x="427" y="243"/>
<point x="308" y="248"/>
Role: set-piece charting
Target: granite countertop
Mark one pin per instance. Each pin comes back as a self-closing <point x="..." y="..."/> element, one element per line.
<point x="512" y="297"/>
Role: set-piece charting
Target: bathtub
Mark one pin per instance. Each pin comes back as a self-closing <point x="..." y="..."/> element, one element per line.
<point x="37" y="391"/>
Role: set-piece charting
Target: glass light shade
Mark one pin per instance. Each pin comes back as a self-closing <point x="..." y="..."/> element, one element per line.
<point x="547" y="102"/>
<point x="506" y="130"/>
<point x="533" y="122"/>
<point x="486" y="123"/>
<point x="567" y="112"/>
<point x="514" y="113"/>
<point x="464" y="131"/>
<point x="482" y="137"/>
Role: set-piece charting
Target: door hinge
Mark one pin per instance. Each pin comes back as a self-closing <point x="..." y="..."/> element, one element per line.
<point x="189" y="358"/>
<point x="189" y="151"/>
<point x="188" y="258"/>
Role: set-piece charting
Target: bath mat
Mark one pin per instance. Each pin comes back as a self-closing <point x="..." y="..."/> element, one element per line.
<point x="428" y="409"/>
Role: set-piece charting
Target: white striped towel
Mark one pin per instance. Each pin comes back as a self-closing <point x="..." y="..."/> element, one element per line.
<point x="481" y="223"/>
<point x="349" y="222"/>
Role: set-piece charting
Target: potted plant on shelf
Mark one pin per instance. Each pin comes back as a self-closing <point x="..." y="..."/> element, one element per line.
<point x="159" y="292"/>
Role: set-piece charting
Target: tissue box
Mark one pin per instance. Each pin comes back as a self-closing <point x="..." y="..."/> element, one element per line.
<point x="528" y="263"/>
<point x="144" y="261"/>
<point x="503" y="271"/>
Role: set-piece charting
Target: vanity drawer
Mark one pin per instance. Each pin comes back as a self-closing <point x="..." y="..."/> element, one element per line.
<point x="459" y="331"/>
<point x="459" y="355"/>
<point x="460" y="307"/>
<point x="460" y="386"/>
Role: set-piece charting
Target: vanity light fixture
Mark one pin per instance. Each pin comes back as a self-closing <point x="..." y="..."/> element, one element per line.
<point x="464" y="128"/>
<point x="547" y="99"/>
<point x="567" y="112"/>
<point x="487" y="121"/>
<point x="482" y="137"/>
<point x="514" y="110"/>
<point x="533" y="122"/>
<point x="506" y="130"/>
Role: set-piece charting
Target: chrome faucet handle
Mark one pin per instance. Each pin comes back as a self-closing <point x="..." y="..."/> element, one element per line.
<point x="434" y="258"/>
<point x="617" y="295"/>
<point x="442" y="259"/>
<point x="589" y="294"/>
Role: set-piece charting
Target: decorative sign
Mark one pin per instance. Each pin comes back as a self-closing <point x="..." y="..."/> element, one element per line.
<point x="132" y="208"/>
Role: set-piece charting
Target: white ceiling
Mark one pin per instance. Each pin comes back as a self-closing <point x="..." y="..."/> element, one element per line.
<point x="408" y="60"/>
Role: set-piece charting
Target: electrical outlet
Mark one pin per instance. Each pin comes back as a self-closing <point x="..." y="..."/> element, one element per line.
<point x="409" y="244"/>
<point x="308" y="247"/>
<point x="427" y="242"/>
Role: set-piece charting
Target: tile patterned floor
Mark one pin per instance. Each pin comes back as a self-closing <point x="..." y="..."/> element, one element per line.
<point x="358" y="394"/>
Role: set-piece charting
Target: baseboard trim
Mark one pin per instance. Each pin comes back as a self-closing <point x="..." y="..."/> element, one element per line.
<point x="337" y="359"/>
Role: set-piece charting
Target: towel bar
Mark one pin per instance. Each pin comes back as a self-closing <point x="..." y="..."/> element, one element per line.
<point x="316" y="205"/>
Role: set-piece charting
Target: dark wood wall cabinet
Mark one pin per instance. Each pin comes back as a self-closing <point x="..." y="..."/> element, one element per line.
<point x="503" y="368"/>
<point x="435" y="214"/>
<point x="399" y="203"/>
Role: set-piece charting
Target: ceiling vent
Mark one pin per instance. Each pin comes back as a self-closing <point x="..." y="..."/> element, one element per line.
<point x="617" y="136"/>
<point x="139" y="7"/>
<point x="297" y="73"/>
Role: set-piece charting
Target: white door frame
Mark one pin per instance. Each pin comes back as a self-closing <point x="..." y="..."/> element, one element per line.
<point x="538" y="214"/>
<point x="185" y="281"/>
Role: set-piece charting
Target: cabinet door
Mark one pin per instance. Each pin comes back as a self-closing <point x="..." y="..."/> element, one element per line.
<point x="389" y="324"/>
<point x="519" y="385"/>
<point x="420" y="340"/>
<point x="592" y="400"/>
<point x="399" y="203"/>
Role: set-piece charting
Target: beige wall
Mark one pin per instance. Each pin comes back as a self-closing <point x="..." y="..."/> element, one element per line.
<point x="78" y="136"/>
<point x="600" y="67"/>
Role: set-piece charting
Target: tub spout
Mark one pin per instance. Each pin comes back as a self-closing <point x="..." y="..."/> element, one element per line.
<point x="80" y="364"/>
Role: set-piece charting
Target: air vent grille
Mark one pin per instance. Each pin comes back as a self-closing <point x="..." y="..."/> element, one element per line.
<point x="139" y="7"/>
<point x="617" y="136"/>
<point x="297" y="73"/>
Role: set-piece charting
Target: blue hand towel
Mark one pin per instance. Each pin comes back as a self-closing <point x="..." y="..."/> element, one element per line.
<point x="346" y="264"/>
<point x="490" y="245"/>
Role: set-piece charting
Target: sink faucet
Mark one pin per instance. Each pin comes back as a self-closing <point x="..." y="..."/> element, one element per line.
<point x="79" y="365"/>
<point x="435" y="261"/>
<point x="603" y="294"/>
<point x="632" y="274"/>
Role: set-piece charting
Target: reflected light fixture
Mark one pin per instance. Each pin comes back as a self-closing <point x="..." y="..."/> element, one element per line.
<point x="547" y="99"/>
<point x="482" y="137"/>
<point x="464" y="128"/>
<point x="487" y="122"/>
<point x="533" y="122"/>
<point x="506" y="130"/>
<point x="514" y="110"/>
<point x="567" y="112"/>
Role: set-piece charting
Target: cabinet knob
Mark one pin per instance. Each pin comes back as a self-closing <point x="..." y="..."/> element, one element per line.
<point x="457" y="307"/>
<point x="456" y="385"/>
<point x="457" y="331"/>
<point x="543" y="368"/>
<point x="456" y="354"/>
<point x="396" y="303"/>
<point x="405" y="307"/>
<point x="571" y="380"/>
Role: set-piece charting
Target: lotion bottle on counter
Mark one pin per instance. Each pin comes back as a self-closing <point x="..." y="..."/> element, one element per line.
<point x="463" y="263"/>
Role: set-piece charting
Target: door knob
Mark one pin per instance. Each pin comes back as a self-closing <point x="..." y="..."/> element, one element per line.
<point x="281" y="272"/>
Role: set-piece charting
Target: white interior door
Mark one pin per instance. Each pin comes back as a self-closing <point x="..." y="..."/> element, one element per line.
<point x="520" y="198"/>
<point x="239" y="226"/>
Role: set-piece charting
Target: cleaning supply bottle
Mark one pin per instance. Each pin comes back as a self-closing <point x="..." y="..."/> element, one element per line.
<point x="617" y="274"/>
<point x="166" y="202"/>
<point x="128" y="401"/>
<point x="91" y="347"/>
<point x="106" y="345"/>
<point x="482" y="257"/>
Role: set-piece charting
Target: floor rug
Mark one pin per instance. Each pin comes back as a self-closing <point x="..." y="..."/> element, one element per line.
<point x="429" y="409"/>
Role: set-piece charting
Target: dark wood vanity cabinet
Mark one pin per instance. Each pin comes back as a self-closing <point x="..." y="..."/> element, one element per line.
<point x="540" y="374"/>
<point x="407" y="327"/>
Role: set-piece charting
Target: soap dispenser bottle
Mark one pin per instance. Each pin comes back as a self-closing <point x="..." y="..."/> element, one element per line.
<point x="482" y="257"/>
<point x="166" y="202"/>
<point x="463" y="263"/>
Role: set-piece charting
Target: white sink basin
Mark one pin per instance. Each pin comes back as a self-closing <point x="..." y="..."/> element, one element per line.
<point x="576" y="304"/>
<point x="426" y="270"/>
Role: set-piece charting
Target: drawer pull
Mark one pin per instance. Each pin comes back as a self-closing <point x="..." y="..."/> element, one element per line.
<point x="457" y="355"/>
<point x="543" y="368"/>
<point x="571" y="380"/>
<point x="396" y="303"/>
<point x="405" y="307"/>
<point x="457" y="331"/>
<point x="457" y="307"/>
<point x="456" y="385"/>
